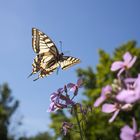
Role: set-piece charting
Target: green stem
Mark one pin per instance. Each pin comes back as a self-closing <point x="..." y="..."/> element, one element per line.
<point x="78" y="122"/>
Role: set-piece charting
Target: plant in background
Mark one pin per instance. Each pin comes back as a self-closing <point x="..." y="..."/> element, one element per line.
<point x="63" y="98"/>
<point x="122" y="95"/>
<point x="119" y="97"/>
<point x="8" y="106"/>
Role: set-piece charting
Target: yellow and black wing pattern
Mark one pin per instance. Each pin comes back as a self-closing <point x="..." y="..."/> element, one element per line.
<point x="68" y="61"/>
<point x="48" y="58"/>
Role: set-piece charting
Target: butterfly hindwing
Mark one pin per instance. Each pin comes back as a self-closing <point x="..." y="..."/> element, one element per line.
<point x="45" y="72"/>
<point x="68" y="61"/>
<point x="42" y="68"/>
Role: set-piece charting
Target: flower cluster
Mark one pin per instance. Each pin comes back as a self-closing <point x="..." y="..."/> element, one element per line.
<point x="63" y="98"/>
<point x="124" y="92"/>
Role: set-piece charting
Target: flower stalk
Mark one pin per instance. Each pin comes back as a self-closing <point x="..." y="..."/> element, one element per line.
<point x="78" y="122"/>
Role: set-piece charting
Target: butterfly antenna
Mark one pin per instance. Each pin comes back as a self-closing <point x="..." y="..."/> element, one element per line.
<point x="67" y="52"/>
<point x="60" y="45"/>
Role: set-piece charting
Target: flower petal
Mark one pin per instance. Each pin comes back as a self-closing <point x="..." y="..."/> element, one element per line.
<point x="122" y="95"/>
<point x="53" y="96"/>
<point x="127" y="57"/>
<point x="114" y="116"/>
<point x="132" y="62"/>
<point x="117" y="65"/>
<point x="106" y="89"/>
<point x="60" y="90"/>
<point x="108" y="108"/>
<point x="127" y="107"/>
<point x="99" y="100"/>
<point x="127" y="133"/>
<point x="137" y="82"/>
<point x="52" y="108"/>
<point x="128" y="96"/>
<point x="134" y="125"/>
<point x="70" y="85"/>
<point x="120" y="71"/>
<point x="129" y="80"/>
<point x="127" y="129"/>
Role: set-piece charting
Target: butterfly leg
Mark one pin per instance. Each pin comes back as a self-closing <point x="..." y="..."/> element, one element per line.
<point x="36" y="79"/>
<point x="58" y="68"/>
<point x="30" y="75"/>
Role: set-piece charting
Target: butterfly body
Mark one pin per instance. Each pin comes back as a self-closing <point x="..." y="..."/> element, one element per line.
<point x="48" y="57"/>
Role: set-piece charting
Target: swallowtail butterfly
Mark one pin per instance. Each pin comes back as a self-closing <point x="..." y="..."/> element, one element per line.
<point x="48" y="58"/>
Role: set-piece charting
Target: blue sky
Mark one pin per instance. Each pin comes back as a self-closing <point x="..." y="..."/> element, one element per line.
<point x="83" y="27"/>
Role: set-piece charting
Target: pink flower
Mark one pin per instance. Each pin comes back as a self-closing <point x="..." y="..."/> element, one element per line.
<point x="109" y="108"/>
<point x="66" y="127"/>
<point x="115" y="108"/>
<point x="128" y="96"/>
<point x="59" y="100"/>
<point x="122" y="65"/>
<point x="132" y="94"/>
<point x="128" y="133"/>
<point x="75" y="87"/>
<point x="104" y="94"/>
<point x="55" y="101"/>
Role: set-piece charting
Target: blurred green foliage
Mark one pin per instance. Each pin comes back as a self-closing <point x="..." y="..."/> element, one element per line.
<point x="40" y="136"/>
<point x="7" y="108"/>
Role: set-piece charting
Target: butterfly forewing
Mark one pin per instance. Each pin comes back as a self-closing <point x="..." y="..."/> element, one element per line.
<point x="41" y="43"/>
